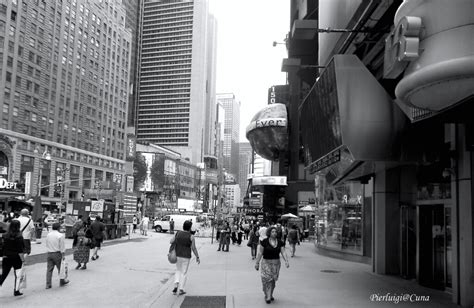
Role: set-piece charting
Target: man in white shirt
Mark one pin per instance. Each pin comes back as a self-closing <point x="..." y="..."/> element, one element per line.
<point x="27" y="227"/>
<point x="56" y="253"/>
<point x="145" y="222"/>
<point x="263" y="232"/>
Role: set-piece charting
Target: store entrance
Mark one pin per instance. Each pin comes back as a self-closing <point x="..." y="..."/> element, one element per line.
<point x="408" y="241"/>
<point x="434" y="258"/>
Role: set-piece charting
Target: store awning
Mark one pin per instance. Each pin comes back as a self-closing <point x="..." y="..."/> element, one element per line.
<point x="348" y="119"/>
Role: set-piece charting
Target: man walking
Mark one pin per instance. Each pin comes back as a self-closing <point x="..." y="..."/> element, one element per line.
<point x="145" y="222"/>
<point x="56" y="253"/>
<point x="134" y="223"/>
<point x="27" y="228"/>
<point x="98" y="234"/>
<point x="172" y="226"/>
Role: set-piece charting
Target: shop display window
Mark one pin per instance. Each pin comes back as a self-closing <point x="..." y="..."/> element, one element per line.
<point x="340" y="218"/>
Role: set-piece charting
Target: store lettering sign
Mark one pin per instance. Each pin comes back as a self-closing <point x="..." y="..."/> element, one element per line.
<point x="272" y="96"/>
<point x="131" y="147"/>
<point x="4" y="184"/>
<point x="354" y="200"/>
<point x="402" y="45"/>
<point x="280" y="122"/>
<point x="247" y="210"/>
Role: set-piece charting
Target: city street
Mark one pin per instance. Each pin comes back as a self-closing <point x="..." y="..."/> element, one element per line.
<point x="136" y="273"/>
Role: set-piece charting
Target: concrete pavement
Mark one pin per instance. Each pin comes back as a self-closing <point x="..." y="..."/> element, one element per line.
<point x="136" y="273"/>
<point x="304" y="284"/>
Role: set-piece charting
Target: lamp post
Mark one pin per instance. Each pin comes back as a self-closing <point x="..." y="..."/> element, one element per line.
<point x="37" y="211"/>
<point x="61" y="182"/>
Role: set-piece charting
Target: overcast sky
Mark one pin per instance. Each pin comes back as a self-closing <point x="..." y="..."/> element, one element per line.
<point x="247" y="62"/>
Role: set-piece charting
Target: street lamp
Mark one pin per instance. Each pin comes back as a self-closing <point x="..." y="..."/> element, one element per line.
<point x="60" y="179"/>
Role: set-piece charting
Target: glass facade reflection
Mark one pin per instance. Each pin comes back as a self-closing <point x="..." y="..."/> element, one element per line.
<point x="341" y="218"/>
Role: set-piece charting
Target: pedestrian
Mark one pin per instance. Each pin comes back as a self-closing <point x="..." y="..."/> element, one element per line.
<point x="172" y="226"/>
<point x="240" y="232"/>
<point x="134" y="223"/>
<point x="13" y="253"/>
<point x="82" y="250"/>
<point x="270" y="249"/>
<point x="253" y="242"/>
<point x="98" y="235"/>
<point x="56" y="253"/>
<point x="224" y="242"/>
<point x="293" y="239"/>
<point x="27" y="228"/>
<point x="185" y="243"/>
<point x="145" y="222"/>
<point x="45" y="222"/>
<point x="262" y="231"/>
<point x="234" y="234"/>
<point x="78" y="225"/>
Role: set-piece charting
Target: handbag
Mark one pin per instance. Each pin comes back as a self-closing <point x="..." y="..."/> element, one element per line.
<point x="21" y="278"/>
<point x="172" y="258"/>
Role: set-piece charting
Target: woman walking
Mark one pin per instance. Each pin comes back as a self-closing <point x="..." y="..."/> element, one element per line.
<point x="82" y="250"/>
<point x="293" y="239"/>
<point x="13" y="253"/>
<point x="253" y="242"/>
<point x="270" y="249"/>
<point x="185" y="243"/>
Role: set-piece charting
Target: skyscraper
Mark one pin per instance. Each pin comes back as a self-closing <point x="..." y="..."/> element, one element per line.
<point x="245" y="159"/>
<point x="65" y="74"/>
<point x="231" y="132"/>
<point x="175" y="76"/>
<point x="132" y="21"/>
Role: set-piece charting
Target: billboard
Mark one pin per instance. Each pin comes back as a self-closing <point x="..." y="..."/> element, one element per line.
<point x="131" y="147"/>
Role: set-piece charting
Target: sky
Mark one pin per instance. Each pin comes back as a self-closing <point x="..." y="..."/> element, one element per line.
<point x="247" y="62"/>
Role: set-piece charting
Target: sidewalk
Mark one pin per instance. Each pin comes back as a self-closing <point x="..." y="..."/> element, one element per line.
<point x="311" y="281"/>
<point x="38" y="247"/>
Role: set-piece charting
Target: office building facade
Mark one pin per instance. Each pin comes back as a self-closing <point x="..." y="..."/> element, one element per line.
<point x="231" y="131"/>
<point x="64" y="79"/>
<point x="174" y="76"/>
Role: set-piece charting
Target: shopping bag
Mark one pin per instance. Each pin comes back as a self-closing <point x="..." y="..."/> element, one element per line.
<point x="20" y="278"/>
<point x="64" y="270"/>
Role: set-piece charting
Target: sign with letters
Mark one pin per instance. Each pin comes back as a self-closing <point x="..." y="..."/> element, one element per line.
<point x="4" y="184"/>
<point x="402" y="45"/>
<point x="131" y="147"/>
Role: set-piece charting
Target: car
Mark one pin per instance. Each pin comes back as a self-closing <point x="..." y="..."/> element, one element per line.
<point x="163" y="224"/>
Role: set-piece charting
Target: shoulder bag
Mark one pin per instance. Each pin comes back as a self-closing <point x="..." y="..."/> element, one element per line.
<point x="172" y="258"/>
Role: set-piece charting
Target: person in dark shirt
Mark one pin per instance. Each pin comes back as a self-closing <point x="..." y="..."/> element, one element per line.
<point x="98" y="232"/>
<point x="270" y="249"/>
<point x="184" y="245"/>
<point x="13" y="255"/>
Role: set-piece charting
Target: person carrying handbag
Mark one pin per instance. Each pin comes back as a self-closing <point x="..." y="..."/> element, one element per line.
<point x="13" y="254"/>
<point x="184" y="244"/>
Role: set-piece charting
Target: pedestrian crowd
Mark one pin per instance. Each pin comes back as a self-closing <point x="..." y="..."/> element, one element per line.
<point x="267" y="242"/>
<point x="17" y="232"/>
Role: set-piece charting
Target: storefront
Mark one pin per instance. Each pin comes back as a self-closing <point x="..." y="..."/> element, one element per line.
<point x="343" y="218"/>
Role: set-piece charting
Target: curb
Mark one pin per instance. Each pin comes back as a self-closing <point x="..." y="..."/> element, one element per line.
<point x="41" y="257"/>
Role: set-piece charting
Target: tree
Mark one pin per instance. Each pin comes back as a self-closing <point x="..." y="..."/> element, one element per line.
<point x="156" y="174"/>
<point x="139" y="171"/>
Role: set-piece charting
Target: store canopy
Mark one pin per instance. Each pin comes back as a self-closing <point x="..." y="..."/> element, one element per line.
<point x="307" y="208"/>
<point x="288" y="216"/>
<point x="347" y="119"/>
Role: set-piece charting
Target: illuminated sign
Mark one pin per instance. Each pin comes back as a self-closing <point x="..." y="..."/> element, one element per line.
<point x="269" y="180"/>
<point x="269" y="122"/>
<point x="131" y="147"/>
<point x="402" y="45"/>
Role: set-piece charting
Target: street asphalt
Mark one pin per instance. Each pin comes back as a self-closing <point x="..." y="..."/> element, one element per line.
<point x="136" y="273"/>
